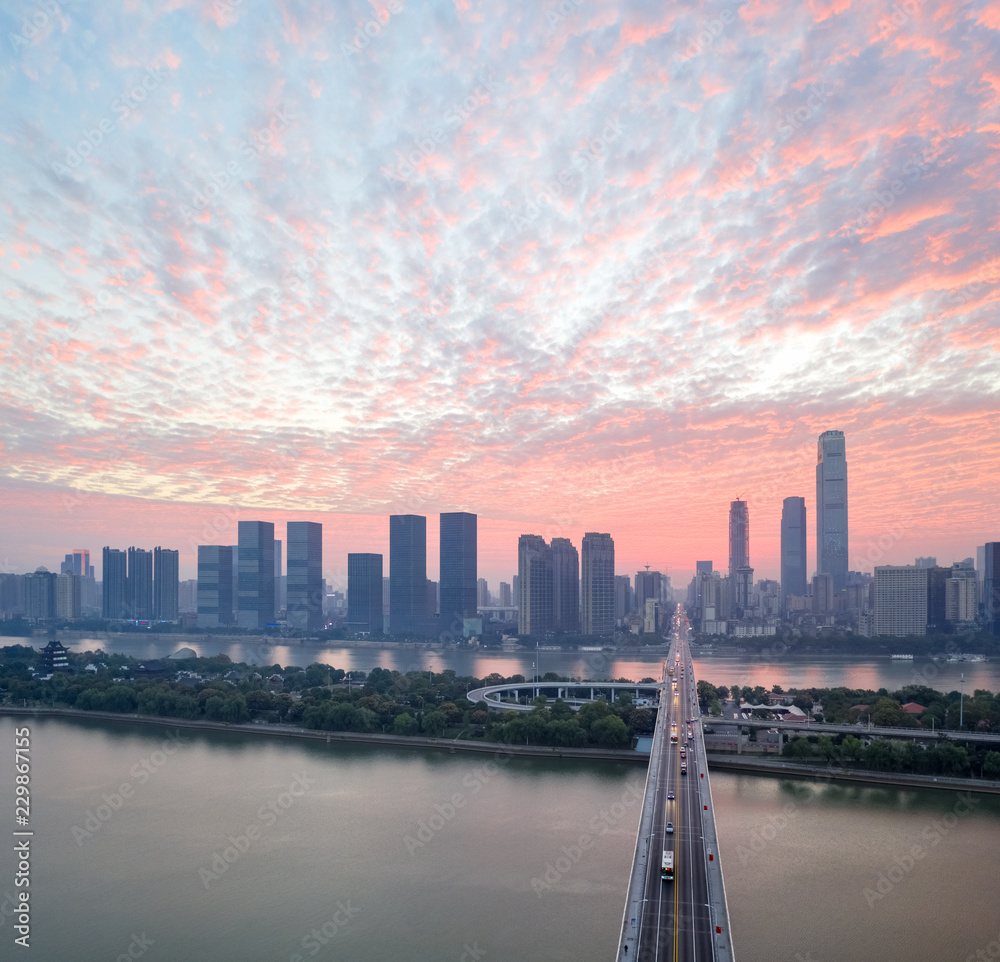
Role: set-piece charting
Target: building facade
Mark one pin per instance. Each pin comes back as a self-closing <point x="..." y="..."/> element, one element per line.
<point x="565" y="586"/>
<point x="114" y="584"/>
<point x="459" y="584"/>
<point x="831" y="507"/>
<point x="166" y="584"/>
<point x="534" y="585"/>
<point x="900" y="600"/>
<point x="306" y="599"/>
<point x="365" y="611"/>
<point x="408" y="609"/>
<point x="255" y="575"/>
<point x="215" y="586"/>
<point x="794" y="561"/>
<point x="597" y="584"/>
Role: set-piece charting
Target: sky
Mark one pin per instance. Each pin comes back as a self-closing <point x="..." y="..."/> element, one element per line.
<point x="572" y="266"/>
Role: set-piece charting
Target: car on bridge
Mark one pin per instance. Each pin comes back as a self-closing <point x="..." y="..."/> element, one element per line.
<point x="670" y="796"/>
<point x="670" y="828"/>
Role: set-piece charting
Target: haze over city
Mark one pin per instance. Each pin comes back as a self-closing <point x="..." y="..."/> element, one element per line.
<point x="589" y="267"/>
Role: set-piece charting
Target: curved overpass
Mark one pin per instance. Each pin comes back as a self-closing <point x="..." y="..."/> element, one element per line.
<point x="575" y="694"/>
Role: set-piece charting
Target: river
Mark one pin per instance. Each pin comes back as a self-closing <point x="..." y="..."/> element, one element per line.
<point x="852" y="671"/>
<point x="234" y="846"/>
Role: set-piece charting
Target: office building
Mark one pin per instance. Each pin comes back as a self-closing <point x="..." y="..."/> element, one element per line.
<point x="166" y="584"/>
<point x="114" y="584"/>
<point x="305" y="601"/>
<point x="280" y="586"/>
<point x="831" y="507"/>
<point x="365" y="609"/>
<point x="900" y="600"/>
<point x="651" y="584"/>
<point x="255" y="578"/>
<point x="565" y="586"/>
<point x="534" y="585"/>
<point x="740" y="572"/>
<point x="506" y="597"/>
<point x="215" y="586"/>
<point x="991" y="587"/>
<point x="408" y="609"/>
<point x="960" y="601"/>
<point x="78" y="563"/>
<point x="794" y="561"/>
<point x="462" y="591"/>
<point x="597" y="584"/>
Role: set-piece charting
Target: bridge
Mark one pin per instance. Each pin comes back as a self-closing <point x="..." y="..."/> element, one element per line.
<point x="520" y="696"/>
<point x="685" y="916"/>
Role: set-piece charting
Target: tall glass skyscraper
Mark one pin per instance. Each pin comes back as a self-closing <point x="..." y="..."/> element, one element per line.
<point x="458" y="570"/>
<point x="831" y="507"/>
<point x="215" y="585"/>
<point x="534" y="585"/>
<point x="140" y="584"/>
<point x="255" y="580"/>
<point x="408" y="575"/>
<point x="305" y="598"/>
<point x="364" y="592"/>
<point x="166" y="584"/>
<point x="114" y="589"/>
<point x="793" y="548"/>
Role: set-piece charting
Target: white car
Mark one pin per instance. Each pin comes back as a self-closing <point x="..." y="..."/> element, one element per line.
<point x="670" y="828"/>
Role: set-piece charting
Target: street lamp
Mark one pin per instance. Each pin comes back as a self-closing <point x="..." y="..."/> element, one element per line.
<point x="961" y="699"/>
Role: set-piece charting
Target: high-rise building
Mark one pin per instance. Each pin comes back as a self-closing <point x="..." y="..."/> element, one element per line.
<point x="364" y="592"/>
<point x="900" y="600"/>
<point x="40" y="595"/>
<point x="623" y="597"/>
<point x="831" y="507"/>
<point x="506" y="598"/>
<point x="597" y="584"/>
<point x="482" y="593"/>
<point x="215" y="586"/>
<point x="78" y="563"/>
<point x="408" y="613"/>
<point x="739" y="536"/>
<point x="460" y="593"/>
<point x="703" y="567"/>
<point x="305" y="602"/>
<point x="114" y="584"/>
<point x="68" y="595"/>
<point x="166" y="582"/>
<point x="565" y="586"/>
<point x="187" y="596"/>
<point x="960" y="601"/>
<point x="140" y="584"/>
<point x="926" y="562"/>
<point x="280" y="582"/>
<point x="794" y="562"/>
<point x="534" y="585"/>
<point x="651" y="584"/>
<point x="255" y="602"/>
<point x="991" y="587"/>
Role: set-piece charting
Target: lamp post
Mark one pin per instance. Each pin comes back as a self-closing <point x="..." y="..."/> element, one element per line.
<point x="961" y="699"/>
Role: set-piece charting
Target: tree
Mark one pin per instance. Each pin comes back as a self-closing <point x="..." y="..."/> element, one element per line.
<point x="610" y="732"/>
<point x="434" y="723"/>
<point x="851" y="747"/>
<point x="991" y="765"/>
<point x="405" y="724"/>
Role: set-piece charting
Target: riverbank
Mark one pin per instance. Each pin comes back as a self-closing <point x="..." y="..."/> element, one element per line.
<point x="449" y="745"/>
<point x="770" y="766"/>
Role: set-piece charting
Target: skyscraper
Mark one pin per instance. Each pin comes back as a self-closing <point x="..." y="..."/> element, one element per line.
<point x="991" y="586"/>
<point x="534" y="585"/>
<point x="140" y="584"/>
<point x="831" y="507"/>
<point x="114" y="584"/>
<point x="623" y="597"/>
<point x="305" y="575"/>
<point x="78" y="563"/>
<point x="597" y="584"/>
<point x="255" y="603"/>
<point x="215" y="585"/>
<point x="740" y="572"/>
<point x="793" y="548"/>
<point x="900" y="600"/>
<point x="166" y="583"/>
<point x="459" y="580"/>
<point x="408" y="575"/>
<point x="565" y="586"/>
<point x="364" y="592"/>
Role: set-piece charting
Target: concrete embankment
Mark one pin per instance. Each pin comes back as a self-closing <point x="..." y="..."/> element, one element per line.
<point x="769" y="766"/>
<point x="291" y="731"/>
